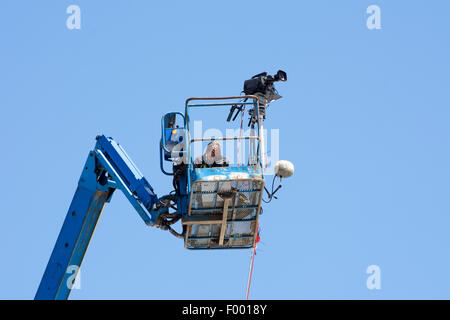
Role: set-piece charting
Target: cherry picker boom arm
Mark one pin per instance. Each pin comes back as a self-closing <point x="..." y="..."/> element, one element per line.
<point x="107" y="168"/>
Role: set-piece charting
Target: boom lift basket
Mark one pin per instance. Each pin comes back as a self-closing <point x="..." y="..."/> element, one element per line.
<point x="224" y="202"/>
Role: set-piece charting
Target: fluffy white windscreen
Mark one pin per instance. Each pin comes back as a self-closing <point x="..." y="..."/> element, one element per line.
<point x="284" y="168"/>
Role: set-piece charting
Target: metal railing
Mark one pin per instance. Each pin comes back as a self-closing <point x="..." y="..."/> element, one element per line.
<point x="250" y="100"/>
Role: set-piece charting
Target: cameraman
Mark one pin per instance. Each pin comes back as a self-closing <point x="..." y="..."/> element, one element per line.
<point x="212" y="157"/>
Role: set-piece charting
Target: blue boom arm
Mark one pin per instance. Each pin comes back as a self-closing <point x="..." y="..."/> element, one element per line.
<point x="107" y="168"/>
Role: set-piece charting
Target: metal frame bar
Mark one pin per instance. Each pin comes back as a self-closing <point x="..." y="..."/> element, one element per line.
<point x="225" y="139"/>
<point x="223" y="228"/>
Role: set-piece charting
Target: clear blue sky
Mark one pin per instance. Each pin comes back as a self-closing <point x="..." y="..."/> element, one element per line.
<point x="364" y="118"/>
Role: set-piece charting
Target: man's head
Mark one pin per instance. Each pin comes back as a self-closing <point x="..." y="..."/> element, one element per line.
<point x="213" y="152"/>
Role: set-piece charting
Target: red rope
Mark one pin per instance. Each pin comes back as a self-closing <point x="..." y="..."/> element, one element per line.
<point x="252" y="263"/>
<point x="251" y="272"/>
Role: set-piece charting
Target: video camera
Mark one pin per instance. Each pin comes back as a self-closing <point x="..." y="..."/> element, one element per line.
<point x="263" y="83"/>
<point x="262" y="86"/>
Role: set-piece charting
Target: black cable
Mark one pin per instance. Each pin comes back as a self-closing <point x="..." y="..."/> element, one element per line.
<point x="176" y="234"/>
<point x="270" y="194"/>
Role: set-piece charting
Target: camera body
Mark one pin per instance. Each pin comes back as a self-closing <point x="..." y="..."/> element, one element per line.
<point x="263" y="83"/>
<point x="261" y="86"/>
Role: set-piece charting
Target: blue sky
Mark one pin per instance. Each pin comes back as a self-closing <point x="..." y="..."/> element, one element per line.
<point x="364" y="119"/>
